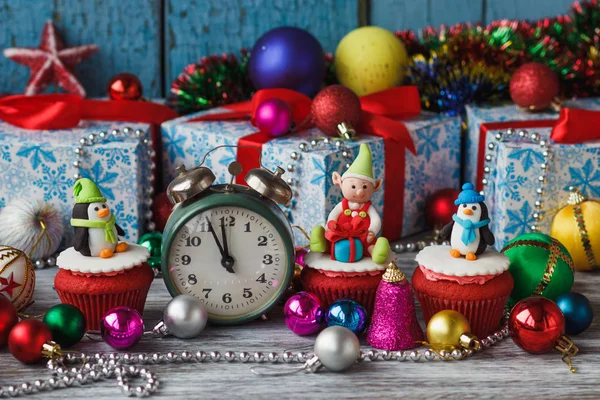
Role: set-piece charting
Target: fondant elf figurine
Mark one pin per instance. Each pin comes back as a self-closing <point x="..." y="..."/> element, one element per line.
<point x="358" y="186"/>
<point x="469" y="231"/>
<point x="95" y="227"/>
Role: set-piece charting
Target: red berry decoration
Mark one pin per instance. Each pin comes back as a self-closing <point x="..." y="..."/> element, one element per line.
<point x="440" y="207"/>
<point x="161" y="208"/>
<point x="536" y="324"/>
<point x="333" y="105"/>
<point x="27" y="339"/>
<point x="124" y="86"/>
<point x="534" y="86"/>
<point x="8" y="318"/>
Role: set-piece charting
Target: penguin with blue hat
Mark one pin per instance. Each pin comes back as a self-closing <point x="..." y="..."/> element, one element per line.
<point x="469" y="230"/>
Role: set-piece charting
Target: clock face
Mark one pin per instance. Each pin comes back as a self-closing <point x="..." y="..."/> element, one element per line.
<point x="231" y="258"/>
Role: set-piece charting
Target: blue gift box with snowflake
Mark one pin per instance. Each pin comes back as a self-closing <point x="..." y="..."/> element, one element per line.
<point x="514" y="183"/>
<point x="484" y="121"/>
<point x="309" y="166"/>
<point x="43" y="165"/>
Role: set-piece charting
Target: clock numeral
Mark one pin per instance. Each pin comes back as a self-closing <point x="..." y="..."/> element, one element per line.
<point x="247" y="227"/>
<point x="268" y="259"/>
<point x="261" y="279"/>
<point x="247" y="293"/>
<point x="206" y="292"/>
<point x="228" y="221"/>
<point x="193" y="241"/>
<point x="227" y="298"/>
<point x="262" y="240"/>
<point x="192" y="280"/>
<point x="202" y="226"/>
<point x="186" y="260"/>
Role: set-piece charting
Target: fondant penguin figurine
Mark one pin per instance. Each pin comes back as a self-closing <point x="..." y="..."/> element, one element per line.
<point x="469" y="230"/>
<point x="96" y="232"/>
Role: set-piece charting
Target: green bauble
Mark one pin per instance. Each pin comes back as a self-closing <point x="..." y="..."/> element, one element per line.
<point x="153" y="242"/>
<point x="67" y="324"/>
<point x="540" y="266"/>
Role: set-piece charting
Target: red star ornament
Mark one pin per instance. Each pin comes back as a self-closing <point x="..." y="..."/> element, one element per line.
<point x="51" y="62"/>
<point x="9" y="285"/>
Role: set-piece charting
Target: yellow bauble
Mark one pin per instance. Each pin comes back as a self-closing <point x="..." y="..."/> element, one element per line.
<point x="449" y="328"/>
<point x="577" y="227"/>
<point x="370" y="59"/>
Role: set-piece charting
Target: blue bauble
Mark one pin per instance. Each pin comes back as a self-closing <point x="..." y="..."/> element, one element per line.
<point x="349" y="314"/>
<point x="288" y="58"/>
<point x="341" y="250"/>
<point x="577" y="311"/>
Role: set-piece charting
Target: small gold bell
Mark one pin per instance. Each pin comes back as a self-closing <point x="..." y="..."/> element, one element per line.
<point x="270" y="184"/>
<point x="189" y="183"/>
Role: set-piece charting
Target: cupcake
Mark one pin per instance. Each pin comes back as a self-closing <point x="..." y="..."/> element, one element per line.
<point x="100" y="272"/>
<point x="467" y="276"/>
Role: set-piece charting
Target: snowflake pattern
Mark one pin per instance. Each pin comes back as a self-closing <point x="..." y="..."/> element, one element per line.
<point x="55" y="183"/>
<point x="510" y="182"/>
<point x="125" y="220"/>
<point x="36" y="154"/>
<point x="528" y="156"/>
<point x="114" y="156"/>
<point x="173" y="143"/>
<point x="429" y="141"/>
<point x="5" y="153"/>
<point x="586" y="179"/>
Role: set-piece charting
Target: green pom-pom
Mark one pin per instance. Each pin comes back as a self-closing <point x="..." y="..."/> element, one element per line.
<point x="540" y="265"/>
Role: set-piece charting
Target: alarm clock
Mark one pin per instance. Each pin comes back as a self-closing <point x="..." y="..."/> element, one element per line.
<point x="229" y="245"/>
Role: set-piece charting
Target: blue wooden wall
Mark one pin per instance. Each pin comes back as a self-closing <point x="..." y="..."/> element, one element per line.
<point x="155" y="39"/>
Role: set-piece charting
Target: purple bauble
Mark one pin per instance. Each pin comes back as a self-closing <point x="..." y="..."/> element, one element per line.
<point x="288" y="58"/>
<point x="122" y="327"/>
<point x="303" y="313"/>
<point x="300" y="254"/>
<point x="274" y="117"/>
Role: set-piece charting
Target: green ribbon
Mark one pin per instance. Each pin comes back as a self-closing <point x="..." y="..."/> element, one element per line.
<point x="108" y="226"/>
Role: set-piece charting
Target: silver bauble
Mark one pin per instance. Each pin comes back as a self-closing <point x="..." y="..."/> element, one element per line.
<point x="337" y="348"/>
<point x="185" y="316"/>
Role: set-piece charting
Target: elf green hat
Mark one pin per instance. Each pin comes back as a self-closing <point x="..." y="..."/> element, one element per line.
<point x="86" y="191"/>
<point x="362" y="167"/>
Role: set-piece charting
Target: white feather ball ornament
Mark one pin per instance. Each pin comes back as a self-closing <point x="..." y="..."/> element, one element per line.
<point x="33" y="226"/>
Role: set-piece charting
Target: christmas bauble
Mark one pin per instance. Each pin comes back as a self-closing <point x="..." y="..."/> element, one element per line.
<point x="303" y="313"/>
<point x="534" y="86"/>
<point x="370" y="59"/>
<point x="153" y="242"/>
<point x="185" y="316"/>
<point x="440" y="207"/>
<point x="337" y="347"/>
<point x="27" y="339"/>
<point x="577" y="227"/>
<point x="446" y="327"/>
<point x="536" y="324"/>
<point x="161" y="208"/>
<point x="124" y="86"/>
<point x="577" y="310"/>
<point x="8" y="319"/>
<point x="67" y="324"/>
<point x="290" y="58"/>
<point x="273" y="116"/>
<point x="17" y="277"/>
<point x="349" y="314"/>
<point x="333" y="105"/>
<point x="540" y="266"/>
<point x="122" y="327"/>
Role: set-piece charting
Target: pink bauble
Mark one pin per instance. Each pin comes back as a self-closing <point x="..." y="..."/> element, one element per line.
<point x="300" y="254"/>
<point x="273" y="116"/>
<point x="303" y="313"/>
<point x="122" y="327"/>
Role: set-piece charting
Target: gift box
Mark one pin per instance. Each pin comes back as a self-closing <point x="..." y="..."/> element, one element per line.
<point x="435" y="165"/>
<point x="39" y="164"/>
<point x="485" y="120"/>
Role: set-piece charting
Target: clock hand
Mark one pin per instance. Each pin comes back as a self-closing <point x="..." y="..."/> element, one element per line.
<point x="226" y="259"/>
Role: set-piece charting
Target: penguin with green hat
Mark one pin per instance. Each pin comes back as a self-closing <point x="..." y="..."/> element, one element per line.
<point x="96" y="232"/>
<point x="358" y="186"/>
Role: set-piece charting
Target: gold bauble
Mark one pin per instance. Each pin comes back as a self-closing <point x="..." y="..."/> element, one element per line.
<point x="450" y="329"/>
<point x="370" y="59"/>
<point x="577" y="227"/>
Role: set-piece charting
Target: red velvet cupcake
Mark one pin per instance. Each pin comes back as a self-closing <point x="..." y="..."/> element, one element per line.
<point x="477" y="289"/>
<point x="95" y="285"/>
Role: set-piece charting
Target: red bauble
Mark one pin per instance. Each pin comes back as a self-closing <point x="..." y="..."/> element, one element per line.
<point x="440" y="207"/>
<point x="27" y="339"/>
<point x="536" y="324"/>
<point x="161" y="208"/>
<point x="333" y="105"/>
<point x="534" y="86"/>
<point x="124" y="86"/>
<point x="8" y="318"/>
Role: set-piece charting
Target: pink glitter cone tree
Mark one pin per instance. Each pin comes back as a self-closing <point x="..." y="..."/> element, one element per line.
<point x="394" y="324"/>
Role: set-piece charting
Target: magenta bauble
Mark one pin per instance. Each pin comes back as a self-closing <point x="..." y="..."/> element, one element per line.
<point x="273" y="116"/>
<point x="122" y="327"/>
<point x="304" y="313"/>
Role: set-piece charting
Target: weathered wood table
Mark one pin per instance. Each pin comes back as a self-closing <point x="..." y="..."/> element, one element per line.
<point x="502" y="371"/>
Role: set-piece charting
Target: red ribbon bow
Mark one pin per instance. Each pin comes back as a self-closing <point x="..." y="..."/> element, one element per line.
<point x="357" y="228"/>
<point x="576" y="125"/>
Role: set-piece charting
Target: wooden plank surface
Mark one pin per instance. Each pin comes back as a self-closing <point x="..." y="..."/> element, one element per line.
<point x="499" y="372"/>
<point x="197" y="28"/>
<point x="519" y="9"/>
<point x="128" y="33"/>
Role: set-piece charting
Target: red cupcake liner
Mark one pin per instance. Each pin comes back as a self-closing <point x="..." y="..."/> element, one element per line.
<point x="365" y="298"/>
<point x="95" y="306"/>
<point x="484" y="315"/>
